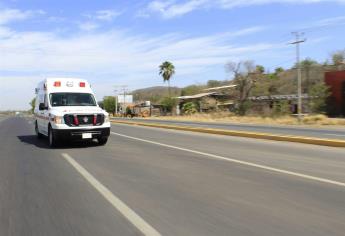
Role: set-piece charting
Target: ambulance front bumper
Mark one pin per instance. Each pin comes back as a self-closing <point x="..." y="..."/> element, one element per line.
<point x="81" y="134"/>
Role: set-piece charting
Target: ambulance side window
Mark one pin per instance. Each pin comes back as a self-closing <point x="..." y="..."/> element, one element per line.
<point x="45" y="100"/>
<point x="37" y="102"/>
<point x="41" y="99"/>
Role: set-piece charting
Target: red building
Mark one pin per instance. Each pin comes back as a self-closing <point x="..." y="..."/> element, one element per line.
<point x="336" y="81"/>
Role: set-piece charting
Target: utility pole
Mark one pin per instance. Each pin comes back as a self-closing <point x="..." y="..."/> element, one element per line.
<point x="122" y="91"/>
<point x="115" y="102"/>
<point x="124" y="101"/>
<point x="297" y="42"/>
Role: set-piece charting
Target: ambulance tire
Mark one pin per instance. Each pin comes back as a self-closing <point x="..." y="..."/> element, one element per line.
<point x="102" y="141"/>
<point x="52" y="141"/>
<point x="38" y="134"/>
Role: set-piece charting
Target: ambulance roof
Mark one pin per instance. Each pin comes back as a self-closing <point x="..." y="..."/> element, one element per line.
<point x="65" y="85"/>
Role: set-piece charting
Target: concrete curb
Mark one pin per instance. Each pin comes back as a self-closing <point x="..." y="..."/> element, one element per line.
<point x="267" y="136"/>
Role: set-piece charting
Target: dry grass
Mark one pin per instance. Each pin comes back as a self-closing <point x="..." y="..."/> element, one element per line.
<point x="319" y="120"/>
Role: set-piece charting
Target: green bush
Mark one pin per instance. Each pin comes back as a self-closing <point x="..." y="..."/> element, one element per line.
<point x="281" y="108"/>
<point x="190" y="108"/>
<point x="319" y="94"/>
<point x="109" y="104"/>
<point x="169" y="103"/>
<point x="243" y="107"/>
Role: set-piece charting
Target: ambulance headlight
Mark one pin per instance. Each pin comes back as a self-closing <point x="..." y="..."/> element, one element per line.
<point x="106" y="119"/>
<point x="58" y="119"/>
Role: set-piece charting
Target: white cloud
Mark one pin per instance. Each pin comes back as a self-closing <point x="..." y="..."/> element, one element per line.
<point x="330" y="21"/>
<point x="112" y="51"/>
<point x="127" y="58"/>
<point x="93" y="21"/>
<point x="241" y="3"/>
<point x="173" y="8"/>
<point x="88" y="26"/>
<point x="170" y="9"/>
<point x="107" y="15"/>
<point x="104" y="15"/>
<point x="10" y="15"/>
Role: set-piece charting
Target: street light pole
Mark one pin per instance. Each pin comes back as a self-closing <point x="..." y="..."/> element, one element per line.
<point x="299" y="75"/>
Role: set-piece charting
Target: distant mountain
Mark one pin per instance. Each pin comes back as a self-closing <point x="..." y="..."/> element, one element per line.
<point x="155" y="94"/>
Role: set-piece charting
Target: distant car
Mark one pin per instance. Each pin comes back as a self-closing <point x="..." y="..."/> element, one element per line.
<point x="66" y="109"/>
<point x="17" y="113"/>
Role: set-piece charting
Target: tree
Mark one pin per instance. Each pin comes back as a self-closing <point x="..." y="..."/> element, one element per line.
<point x="214" y="83"/>
<point x="109" y="104"/>
<point x="100" y="104"/>
<point x="306" y="66"/>
<point x="338" y="58"/>
<point x="260" y="69"/>
<point x="278" y="70"/>
<point x="319" y="94"/>
<point x="169" y="103"/>
<point x="32" y="104"/>
<point x="308" y="62"/>
<point x="167" y="70"/>
<point x="245" y="77"/>
<point x="191" y="90"/>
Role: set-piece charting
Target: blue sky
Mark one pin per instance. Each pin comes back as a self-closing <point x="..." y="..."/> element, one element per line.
<point x="123" y="42"/>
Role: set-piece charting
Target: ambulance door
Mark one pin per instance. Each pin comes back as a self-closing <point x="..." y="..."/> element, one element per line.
<point x="46" y="116"/>
<point x="42" y="117"/>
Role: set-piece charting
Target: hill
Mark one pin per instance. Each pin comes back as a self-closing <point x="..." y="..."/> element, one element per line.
<point x="155" y="94"/>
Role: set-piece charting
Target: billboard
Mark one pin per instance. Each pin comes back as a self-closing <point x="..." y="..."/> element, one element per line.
<point x="127" y="98"/>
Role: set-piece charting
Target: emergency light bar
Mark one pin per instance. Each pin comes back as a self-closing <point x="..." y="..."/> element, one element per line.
<point x="69" y="84"/>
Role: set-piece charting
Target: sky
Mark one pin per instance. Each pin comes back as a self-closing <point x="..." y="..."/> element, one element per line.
<point x="122" y="42"/>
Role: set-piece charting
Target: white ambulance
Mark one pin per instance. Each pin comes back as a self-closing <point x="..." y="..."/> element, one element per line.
<point x="66" y="109"/>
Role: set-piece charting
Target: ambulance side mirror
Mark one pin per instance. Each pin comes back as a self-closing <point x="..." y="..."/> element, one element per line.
<point x="42" y="107"/>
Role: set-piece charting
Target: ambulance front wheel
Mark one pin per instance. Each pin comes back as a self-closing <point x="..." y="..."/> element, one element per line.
<point x="52" y="137"/>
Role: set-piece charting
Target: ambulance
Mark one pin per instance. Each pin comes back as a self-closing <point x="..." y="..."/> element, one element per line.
<point x="66" y="109"/>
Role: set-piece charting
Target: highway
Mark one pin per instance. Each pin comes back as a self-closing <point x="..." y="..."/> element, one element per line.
<point x="2" y="117"/>
<point x="164" y="182"/>
<point x="315" y="132"/>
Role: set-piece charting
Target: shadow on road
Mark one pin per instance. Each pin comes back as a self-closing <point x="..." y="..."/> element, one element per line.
<point x="43" y="143"/>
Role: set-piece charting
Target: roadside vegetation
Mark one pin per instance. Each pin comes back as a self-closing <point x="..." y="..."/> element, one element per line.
<point x="316" y="120"/>
<point x="254" y="80"/>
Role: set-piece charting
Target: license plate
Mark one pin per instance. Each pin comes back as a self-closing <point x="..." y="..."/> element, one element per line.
<point x="86" y="135"/>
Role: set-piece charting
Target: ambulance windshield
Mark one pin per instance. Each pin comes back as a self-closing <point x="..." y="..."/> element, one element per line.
<point x="72" y="99"/>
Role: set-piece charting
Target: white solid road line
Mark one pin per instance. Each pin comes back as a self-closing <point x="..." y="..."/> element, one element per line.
<point x="127" y="212"/>
<point x="310" y="177"/>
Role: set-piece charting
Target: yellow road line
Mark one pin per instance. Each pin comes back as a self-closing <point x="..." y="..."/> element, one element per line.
<point x="267" y="136"/>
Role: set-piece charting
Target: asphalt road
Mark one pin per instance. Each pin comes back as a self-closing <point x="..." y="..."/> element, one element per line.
<point x="166" y="182"/>
<point x="327" y="132"/>
<point x="2" y="117"/>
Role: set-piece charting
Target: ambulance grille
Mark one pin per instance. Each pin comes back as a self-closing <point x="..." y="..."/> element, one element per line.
<point x="84" y="120"/>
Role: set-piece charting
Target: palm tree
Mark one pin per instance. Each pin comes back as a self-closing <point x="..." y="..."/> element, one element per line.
<point x="167" y="70"/>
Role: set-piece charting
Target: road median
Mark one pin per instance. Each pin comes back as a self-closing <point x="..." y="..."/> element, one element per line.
<point x="257" y="135"/>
